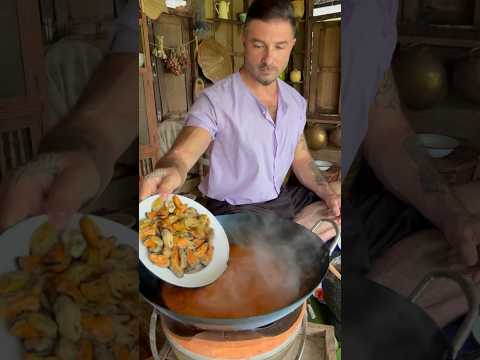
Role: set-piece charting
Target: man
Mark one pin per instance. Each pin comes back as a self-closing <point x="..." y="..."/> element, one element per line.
<point x="252" y="125"/>
<point x="76" y="159"/>
<point x="394" y="243"/>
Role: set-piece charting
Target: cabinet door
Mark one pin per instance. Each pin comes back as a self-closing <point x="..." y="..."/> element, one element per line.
<point x="22" y="75"/>
<point x="147" y="117"/>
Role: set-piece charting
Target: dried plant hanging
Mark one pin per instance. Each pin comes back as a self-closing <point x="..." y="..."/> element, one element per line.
<point x="176" y="61"/>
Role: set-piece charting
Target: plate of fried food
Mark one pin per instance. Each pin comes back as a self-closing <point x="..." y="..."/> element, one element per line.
<point x="71" y="294"/>
<point x="181" y="242"/>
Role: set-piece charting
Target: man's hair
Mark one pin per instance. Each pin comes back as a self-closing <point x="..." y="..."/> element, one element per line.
<point x="269" y="10"/>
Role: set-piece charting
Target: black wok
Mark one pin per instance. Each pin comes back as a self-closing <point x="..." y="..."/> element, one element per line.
<point x="310" y="254"/>
<point x="380" y="324"/>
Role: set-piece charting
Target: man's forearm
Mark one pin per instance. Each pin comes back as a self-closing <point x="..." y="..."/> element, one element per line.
<point x="189" y="145"/>
<point x="401" y="163"/>
<point x="105" y="121"/>
<point x="307" y="172"/>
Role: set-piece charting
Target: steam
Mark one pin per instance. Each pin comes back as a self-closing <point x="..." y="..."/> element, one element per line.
<point x="272" y="263"/>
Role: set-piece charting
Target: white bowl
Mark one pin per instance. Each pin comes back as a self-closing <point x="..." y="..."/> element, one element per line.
<point x="205" y="276"/>
<point x="323" y="165"/>
<point x="438" y="146"/>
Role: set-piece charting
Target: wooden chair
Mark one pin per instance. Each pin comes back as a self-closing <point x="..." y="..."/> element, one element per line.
<point x="20" y="133"/>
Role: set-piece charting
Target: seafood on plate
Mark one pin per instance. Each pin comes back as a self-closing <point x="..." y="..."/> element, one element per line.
<point x="73" y="295"/>
<point x="177" y="236"/>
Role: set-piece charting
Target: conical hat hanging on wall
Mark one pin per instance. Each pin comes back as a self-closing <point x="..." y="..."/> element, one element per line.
<point x="154" y="8"/>
<point x="214" y="59"/>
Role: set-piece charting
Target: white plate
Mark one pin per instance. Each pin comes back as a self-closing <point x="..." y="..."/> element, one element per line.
<point x="16" y="242"/>
<point x="438" y="146"/>
<point x="205" y="276"/>
<point x="323" y="165"/>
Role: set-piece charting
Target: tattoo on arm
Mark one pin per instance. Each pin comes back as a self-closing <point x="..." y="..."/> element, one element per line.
<point x="387" y="95"/>
<point x="430" y="179"/>
<point x="317" y="174"/>
<point x="319" y="178"/>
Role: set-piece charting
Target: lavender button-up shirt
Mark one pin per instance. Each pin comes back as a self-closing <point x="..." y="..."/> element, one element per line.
<point x="250" y="154"/>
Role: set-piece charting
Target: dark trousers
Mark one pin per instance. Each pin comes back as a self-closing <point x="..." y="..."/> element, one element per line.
<point x="292" y="199"/>
<point x="373" y="219"/>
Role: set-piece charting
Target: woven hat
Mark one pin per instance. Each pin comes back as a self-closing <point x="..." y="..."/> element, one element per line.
<point x="153" y="8"/>
<point x="214" y="59"/>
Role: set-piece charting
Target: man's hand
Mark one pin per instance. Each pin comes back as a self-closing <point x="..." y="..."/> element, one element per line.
<point x="57" y="184"/>
<point x="162" y="181"/>
<point x="463" y="233"/>
<point x="311" y="177"/>
<point x="332" y="200"/>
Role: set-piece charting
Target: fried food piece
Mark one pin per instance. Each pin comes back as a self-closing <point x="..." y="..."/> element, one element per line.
<point x="98" y="291"/>
<point x="159" y="260"/>
<point x="158" y="204"/>
<point x="175" y="263"/>
<point x="178" y="203"/>
<point x="30" y="264"/>
<point x="123" y="282"/>
<point x="43" y="239"/>
<point x="181" y="243"/>
<point x="74" y="242"/>
<point x="39" y="344"/>
<point x="66" y="349"/>
<point x="57" y="259"/>
<point x="202" y="250"/>
<point x="78" y="272"/>
<point x="85" y="350"/>
<point x="154" y="244"/>
<point x="120" y="351"/>
<point x="148" y="231"/>
<point x="20" y="304"/>
<point x="106" y="246"/>
<point x="100" y="327"/>
<point x="91" y="231"/>
<point x="65" y="286"/>
<point x="13" y="282"/>
<point x="68" y="317"/>
<point x="197" y="243"/>
<point x="192" y="260"/>
<point x="167" y="238"/>
<point x="207" y="258"/>
<point x="33" y="325"/>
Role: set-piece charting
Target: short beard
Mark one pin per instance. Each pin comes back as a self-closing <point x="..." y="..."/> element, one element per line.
<point x="265" y="82"/>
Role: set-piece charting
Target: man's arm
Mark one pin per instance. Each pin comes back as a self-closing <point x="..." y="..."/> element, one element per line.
<point x="105" y="121"/>
<point x="311" y="177"/>
<point x="402" y="164"/>
<point x="172" y="169"/>
<point x="189" y="145"/>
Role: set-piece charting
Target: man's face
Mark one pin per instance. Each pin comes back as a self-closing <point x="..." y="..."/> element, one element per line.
<point x="268" y="45"/>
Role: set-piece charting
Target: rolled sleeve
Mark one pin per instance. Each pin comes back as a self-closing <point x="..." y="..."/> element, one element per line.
<point x="303" y="119"/>
<point x="203" y="115"/>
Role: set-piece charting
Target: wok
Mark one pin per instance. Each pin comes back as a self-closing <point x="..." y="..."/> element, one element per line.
<point x="310" y="253"/>
<point x="380" y="324"/>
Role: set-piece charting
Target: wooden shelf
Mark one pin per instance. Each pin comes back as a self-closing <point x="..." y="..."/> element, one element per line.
<point x="324" y="119"/>
<point x="324" y="17"/>
<point x="330" y="153"/>
<point x="455" y="117"/>
<point x="226" y="21"/>
<point x="439" y="35"/>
